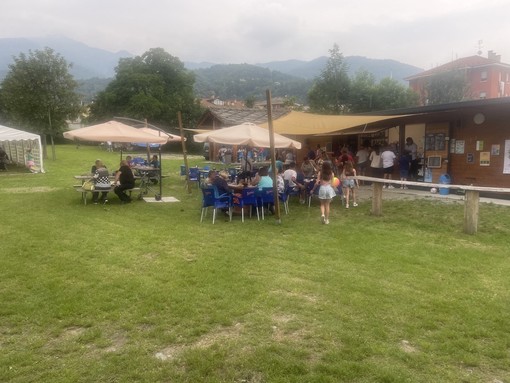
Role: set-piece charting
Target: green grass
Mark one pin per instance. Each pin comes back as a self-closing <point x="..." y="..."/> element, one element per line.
<point x="146" y="293"/>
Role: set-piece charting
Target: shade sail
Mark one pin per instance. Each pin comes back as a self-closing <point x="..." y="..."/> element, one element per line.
<point x="246" y="134"/>
<point x="301" y="123"/>
<point x="113" y="131"/>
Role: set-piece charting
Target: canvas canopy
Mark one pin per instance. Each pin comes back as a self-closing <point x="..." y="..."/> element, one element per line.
<point x="16" y="142"/>
<point x="301" y="123"/>
<point x="159" y="133"/>
<point x="246" y="134"/>
<point x="114" y="131"/>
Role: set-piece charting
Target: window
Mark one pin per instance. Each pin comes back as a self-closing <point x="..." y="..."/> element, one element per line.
<point x="483" y="95"/>
<point x="483" y="76"/>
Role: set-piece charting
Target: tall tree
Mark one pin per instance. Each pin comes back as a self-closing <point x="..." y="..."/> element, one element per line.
<point x="390" y="94"/>
<point x="447" y="87"/>
<point x="39" y="95"/>
<point x="154" y="86"/>
<point x="330" y="91"/>
<point x="362" y="92"/>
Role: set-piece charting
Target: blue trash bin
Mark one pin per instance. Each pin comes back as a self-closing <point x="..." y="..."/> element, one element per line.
<point x="444" y="179"/>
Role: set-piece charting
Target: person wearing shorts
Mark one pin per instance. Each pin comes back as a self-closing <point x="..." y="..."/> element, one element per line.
<point x="388" y="162"/>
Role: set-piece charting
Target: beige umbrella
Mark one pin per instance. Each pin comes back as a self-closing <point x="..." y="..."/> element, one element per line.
<point x="160" y="133"/>
<point x="246" y="134"/>
<point x="113" y="131"/>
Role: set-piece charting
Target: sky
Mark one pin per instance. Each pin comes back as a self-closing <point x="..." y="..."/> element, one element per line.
<point x="416" y="32"/>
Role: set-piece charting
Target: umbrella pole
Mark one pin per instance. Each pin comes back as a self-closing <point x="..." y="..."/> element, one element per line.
<point x="273" y="158"/>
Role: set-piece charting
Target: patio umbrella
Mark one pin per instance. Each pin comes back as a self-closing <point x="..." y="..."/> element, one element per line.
<point x="246" y="134"/>
<point x="159" y="133"/>
<point x="113" y="131"/>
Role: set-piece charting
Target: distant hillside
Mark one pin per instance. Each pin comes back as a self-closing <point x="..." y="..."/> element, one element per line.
<point x="241" y="81"/>
<point x="87" y="62"/>
<point x="379" y="68"/>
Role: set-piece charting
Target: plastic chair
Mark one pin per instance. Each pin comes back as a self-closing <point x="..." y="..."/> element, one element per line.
<point x="289" y="191"/>
<point x="183" y="171"/>
<point x="266" y="197"/>
<point x="211" y="197"/>
<point x="248" y="198"/>
<point x="194" y="175"/>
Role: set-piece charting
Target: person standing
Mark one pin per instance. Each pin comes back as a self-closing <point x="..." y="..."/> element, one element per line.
<point x="349" y="183"/>
<point x="362" y="160"/>
<point x="388" y="164"/>
<point x="124" y="180"/>
<point x="404" y="164"/>
<point x="326" y="191"/>
<point x="412" y="148"/>
<point x="375" y="162"/>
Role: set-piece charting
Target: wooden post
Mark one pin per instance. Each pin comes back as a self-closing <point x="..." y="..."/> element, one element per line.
<point x="471" y="211"/>
<point x="184" y="153"/>
<point x="273" y="158"/>
<point x="377" y="198"/>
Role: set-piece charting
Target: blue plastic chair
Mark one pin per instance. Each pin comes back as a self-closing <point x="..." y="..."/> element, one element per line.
<point x="194" y="175"/>
<point x="248" y="197"/>
<point x="211" y="197"/>
<point x="266" y="197"/>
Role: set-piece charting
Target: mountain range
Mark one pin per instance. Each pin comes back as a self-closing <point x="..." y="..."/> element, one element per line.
<point x="89" y="62"/>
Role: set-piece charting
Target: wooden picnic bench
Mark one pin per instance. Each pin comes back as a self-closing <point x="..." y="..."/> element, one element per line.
<point x="471" y="205"/>
<point x="84" y="192"/>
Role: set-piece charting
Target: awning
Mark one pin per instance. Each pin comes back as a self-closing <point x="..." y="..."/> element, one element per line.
<point x="301" y="123"/>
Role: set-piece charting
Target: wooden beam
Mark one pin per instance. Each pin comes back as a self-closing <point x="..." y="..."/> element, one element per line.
<point x="377" y="198"/>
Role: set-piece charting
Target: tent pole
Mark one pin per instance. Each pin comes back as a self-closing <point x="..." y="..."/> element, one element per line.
<point x="273" y="157"/>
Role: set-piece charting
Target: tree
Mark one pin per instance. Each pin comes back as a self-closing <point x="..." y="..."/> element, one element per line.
<point x="38" y="94"/>
<point x="362" y="92"/>
<point x="447" y="87"/>
<point x="153" y="86"/>
<point x="330" y="91"/>
<point x="390" y="94"/>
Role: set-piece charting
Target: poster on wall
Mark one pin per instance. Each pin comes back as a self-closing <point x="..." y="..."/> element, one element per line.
<point x="485" y="158"/>
<point x="459" y="147"/>
<point x="470" y="158"/>
<point x="506" y="161"/>
<point x="495" y="150"/>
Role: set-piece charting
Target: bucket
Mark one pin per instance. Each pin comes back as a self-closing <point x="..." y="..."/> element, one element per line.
<point x="444" y="179"/>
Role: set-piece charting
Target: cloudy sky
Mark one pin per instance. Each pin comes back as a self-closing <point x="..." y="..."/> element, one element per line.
<point x="416" y="32"/>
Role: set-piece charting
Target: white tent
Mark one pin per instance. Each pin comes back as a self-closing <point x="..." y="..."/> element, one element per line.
<point x="16" y="142"/>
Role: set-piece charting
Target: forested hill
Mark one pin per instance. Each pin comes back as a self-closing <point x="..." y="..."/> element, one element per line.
<point x="242" y="81"/>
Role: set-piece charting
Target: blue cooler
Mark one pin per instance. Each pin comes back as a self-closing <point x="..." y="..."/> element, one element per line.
<point x="444" y="179"/>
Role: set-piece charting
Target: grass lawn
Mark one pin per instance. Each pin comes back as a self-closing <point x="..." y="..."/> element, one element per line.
<point x="146" y="293"/>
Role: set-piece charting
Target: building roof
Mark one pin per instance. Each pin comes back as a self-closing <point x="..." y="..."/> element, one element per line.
<point x="459" y="64"/>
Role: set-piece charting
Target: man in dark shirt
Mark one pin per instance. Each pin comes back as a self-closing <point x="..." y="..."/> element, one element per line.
<point x="219" y="182"/>
<point x="124" y="180"/>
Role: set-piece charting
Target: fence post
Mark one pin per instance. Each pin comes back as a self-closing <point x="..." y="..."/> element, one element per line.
<point x="377" y="198"/>
<point x="471" y="211"/>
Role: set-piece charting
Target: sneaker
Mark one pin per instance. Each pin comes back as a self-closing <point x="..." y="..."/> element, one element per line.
<point x="354" y="204"/>
<point x="105" y="202"/>
<point x="95" y="202"/>
<point x="326" y="222"/>
<point x="347" y="206"/>
<point x="323" y="219"/>
<point x="391" y="187"/>
<point x="384" y="187"/>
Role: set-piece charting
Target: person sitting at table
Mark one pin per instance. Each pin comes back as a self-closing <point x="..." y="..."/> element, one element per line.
<point x="124" y="180"/>
<point x="308" y="168"/>
<point x="154" y="163"/>
<point x="216" y="180"/>
<point x="101" y="183"/>
<point x="264" y="180"/>
<point x="290" y="176"/>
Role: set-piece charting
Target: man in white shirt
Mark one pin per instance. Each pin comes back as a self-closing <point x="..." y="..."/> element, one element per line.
<point x="290" y="176"/>
<point x="388" y="162"/>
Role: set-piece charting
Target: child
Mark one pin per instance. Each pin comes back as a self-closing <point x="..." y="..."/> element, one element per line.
<point x="326" y="191"/>
<point x="349" y="184"/>
<point x="404" y="164"/>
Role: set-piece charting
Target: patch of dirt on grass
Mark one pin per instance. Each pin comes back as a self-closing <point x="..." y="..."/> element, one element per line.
<point x="219" y="335"/>
<point x="118" y="341"/>
<point x="407" y="347"/>
<point x="282" y="331"/>
<point x="72" y="332"/>
<point x="293" y="294"/>
<point x="36" y="189"/>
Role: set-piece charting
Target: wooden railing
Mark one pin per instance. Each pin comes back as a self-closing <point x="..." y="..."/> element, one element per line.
<point x="471" y="205"/>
